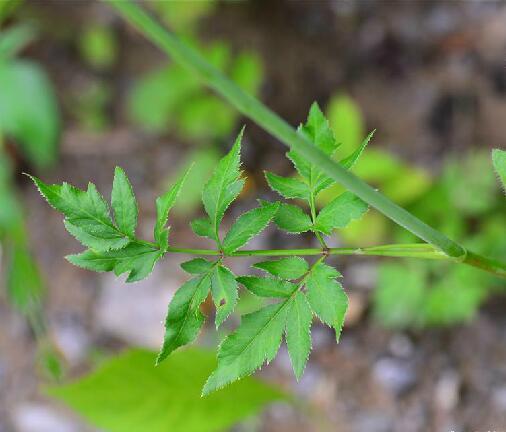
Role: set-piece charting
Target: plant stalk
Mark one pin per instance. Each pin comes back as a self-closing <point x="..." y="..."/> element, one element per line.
<point x="271" y="122"/>
<point x="398" y="250"/>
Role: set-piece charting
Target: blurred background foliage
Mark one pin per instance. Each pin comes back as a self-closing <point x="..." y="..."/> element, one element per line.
<point x="79" y="94"/>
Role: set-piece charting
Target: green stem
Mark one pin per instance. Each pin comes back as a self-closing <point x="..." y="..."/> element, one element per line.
<point x="416" y="250"/>
<point x="400" y="250"/>
<point x="271" y="122"/>
<point x="312" y="206"/>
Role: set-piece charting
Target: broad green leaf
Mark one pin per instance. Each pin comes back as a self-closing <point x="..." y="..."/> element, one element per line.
<point x="136" y="258"/>
<point x="327" y="297"/>
<point x="184" y="319"/>
<point x="340" y="212"/>
<point x="255" y="341"/>
<point x="499" y="161"/>
<point x="267" y="286"/>
<point x="87" y="211"/>
<point x="202" y="227"/>
<point x="292" y="219"/>
<point x="298" y="332"/>
<point x="286" y="268"/>
<point x="352" y="159"/>
<point x="124" y="203"/>
<point x="28" y="110"/>
<point x="248" y="225"/>
<point x="164" y="204"/>
<point x="223" y="186"/>
<point x="197" y="266"/>
<point x="127" y="394"/>
<point x="224" y="291"/>
<point x="288" y="187"/>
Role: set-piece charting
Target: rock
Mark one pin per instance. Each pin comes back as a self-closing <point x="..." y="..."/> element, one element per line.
<point x="446" y="392"/>
<point x="395" y="375"/>
<point x="35" y="417"/>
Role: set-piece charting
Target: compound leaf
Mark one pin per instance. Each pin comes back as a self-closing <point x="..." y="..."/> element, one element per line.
<point x="164" y="204"/>
<point x="318" y="131"/>
<point x="352" y="159"/>
<point x="248" y="225"/>
<point x="197" y="266"/>
<point x="267" y="286"/>
<point x="340" y="212"/>
<point x="255" y="341"/>
<point x="288" y="187"/>
<point x="184" y="318"/>
<point x="286" y="268"/>
<point x="124" y="203"/>
<point x="161" y="399"/>
<point x="136" y="258"/>
<point x="327" y="297"/>
<point x="87" y="211"/>
<point x="292" y="219"/>
<point x="224" y="291"/>
<point x="298" y="332"/>
<point x="202" y="227"/>
<point x="223" y="186"/>
<point x="103" y="242"/>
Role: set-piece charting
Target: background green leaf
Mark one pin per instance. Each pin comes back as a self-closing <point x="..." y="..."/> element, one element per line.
<point x="28" y="110"/>
<point x="129" y="394"/>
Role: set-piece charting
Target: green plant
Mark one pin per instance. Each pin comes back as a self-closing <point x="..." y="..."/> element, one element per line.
<point x="174" y="403"/>
<point x="98" y="46"/>
<point x="169" y="99"/>
<point x="29" y="120"/>
<point x="422" y="294"/>
<point x="28" y="109"/>
<point x="402" y="182"/>
<point x="304" y="291"/>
